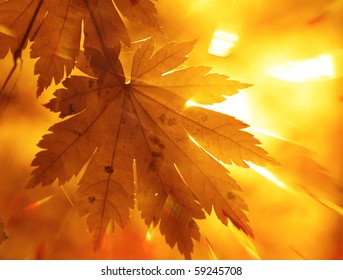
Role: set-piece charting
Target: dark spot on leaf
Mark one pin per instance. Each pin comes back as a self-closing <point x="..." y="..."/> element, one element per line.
<point x="90" y="83"/>
<point x="155" y="139"/>
<point x="157" y="155"/>
<point x="171" y="121"/>
<point x="204" y="118"/>
<point x="157" y="142"/>
<point x="108" y="169"/>
<point x="91" y="199"/>
<point x="231" y="195"/>
<point x="71" y="109"/>
<point x="163" y="118"/>
<point x="152" y="166"/>
<point x="78" y="133"/>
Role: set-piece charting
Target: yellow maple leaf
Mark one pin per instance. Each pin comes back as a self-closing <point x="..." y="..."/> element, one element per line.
<point x="113" y="123"/>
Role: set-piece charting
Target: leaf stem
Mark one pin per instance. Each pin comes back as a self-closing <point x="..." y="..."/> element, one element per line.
<point x="17" y="54"/>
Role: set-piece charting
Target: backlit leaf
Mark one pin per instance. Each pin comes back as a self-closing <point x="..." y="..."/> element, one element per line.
<point x="55" y="29"/>
<point x="113" y="123"/>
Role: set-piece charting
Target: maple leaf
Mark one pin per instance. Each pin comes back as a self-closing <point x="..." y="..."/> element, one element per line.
<point x="142" y="129"/>
<point x="141" y="12"/>
<point x="55" y="29"/>
<point x="3" y="235"/>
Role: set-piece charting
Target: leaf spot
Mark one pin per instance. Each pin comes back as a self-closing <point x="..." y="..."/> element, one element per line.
<point x="91" y="199"/>
<point x="108" y="169"/>
<point x="77" y="133"/>
<point x="231" y="195"/>
<point x="165" y="120"/>
<point x="71" y="109"/>
<point x="157" y="155"/>
<point x="152" y="166"/>
<point x="171" y="121"/>
<point x="203" y="117"/>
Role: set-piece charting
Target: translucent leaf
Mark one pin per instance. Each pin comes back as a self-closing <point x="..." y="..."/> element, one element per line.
<point x="177" y="176"/>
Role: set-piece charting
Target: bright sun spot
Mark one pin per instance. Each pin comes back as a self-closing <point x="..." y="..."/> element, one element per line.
<point x="317" y="68"/>
<point x="38" y="203"/>
<point x="236" y="105"/>
<point x="267" y="174"/>
<point x="148" y="236"/>
<point x="223" y="40"/>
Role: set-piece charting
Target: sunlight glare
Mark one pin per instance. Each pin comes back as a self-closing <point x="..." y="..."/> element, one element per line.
<point x="213" y="256"/>
<point x="236" y="105"/>
<point x="6" y="31"/>
<point x="245" y="242"/>
<point x="328" y="204"/>
<point x="267" y="174"/>
<point x="195" y="141"/>
<point x="223" y="40"/>
<point x="148" y="236"/>
<point x="270" y="133"/>
<point x="37" y="203"/>
<point x="191" y="103"/>
<point x="317" y="68"/>
<point x="134" y="173"/>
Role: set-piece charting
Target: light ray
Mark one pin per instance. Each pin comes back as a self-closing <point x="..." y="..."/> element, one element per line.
<point x="244" y="240"/>
<point x="194" y="141"/>
<point x="37" y="203"/>
<point x="328" y="204"/>
<point x="270" y="133"/>
<point x="67" y="196"/>
<point x="213" y="256"/>
<point x="236" y="105"/>
<point x="180" y="174"/>
<point x="6" y="31"/>
<point x="268" y="175"/>
<point x="313" y="69"/>
<point x="135" y="182"/>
